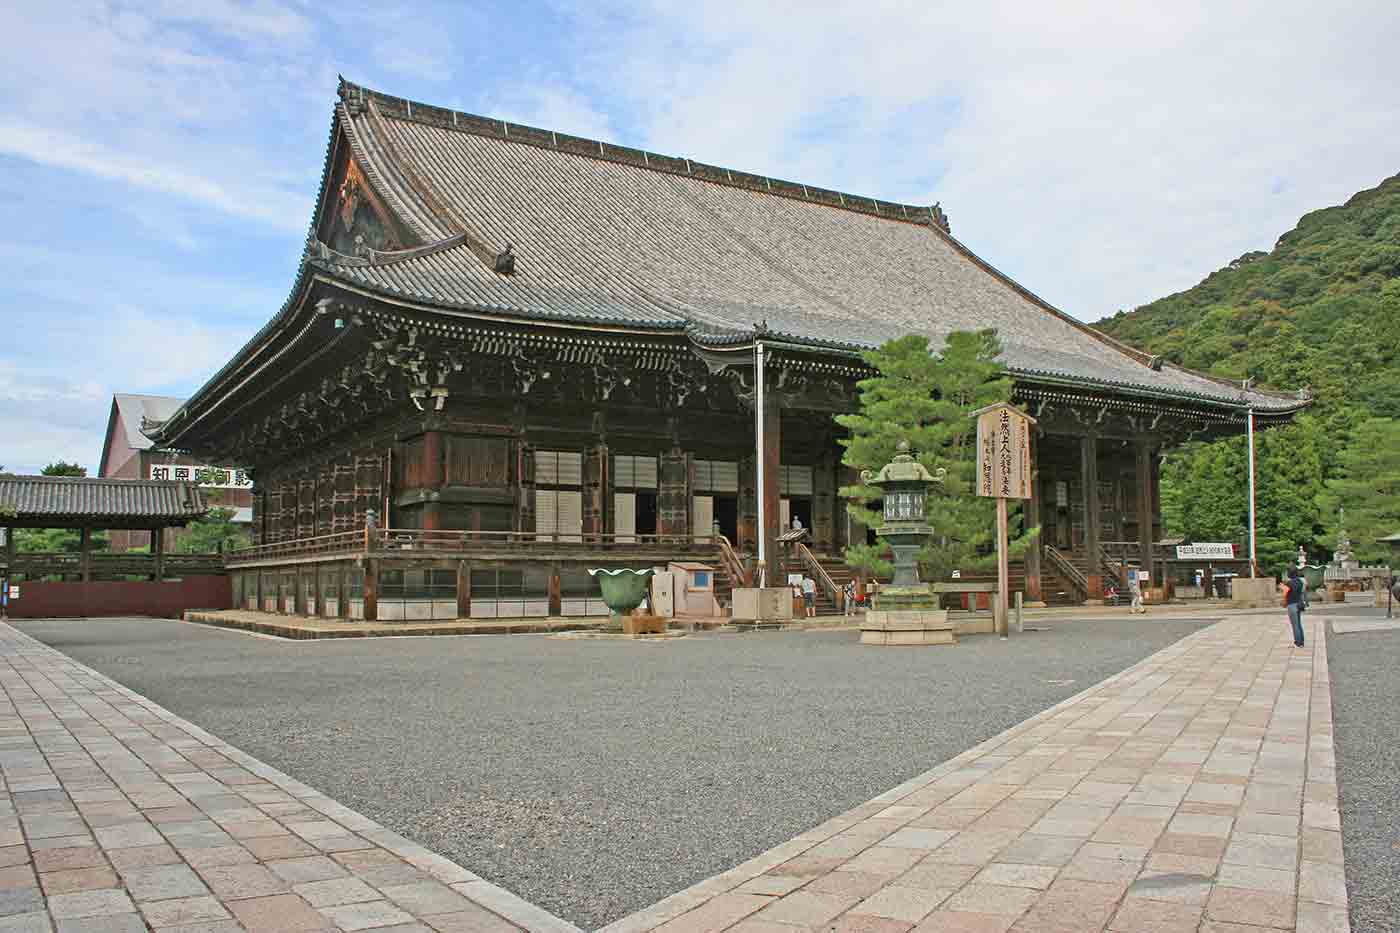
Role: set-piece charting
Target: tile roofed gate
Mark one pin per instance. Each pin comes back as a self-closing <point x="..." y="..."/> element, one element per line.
<point x="474" y="292"/>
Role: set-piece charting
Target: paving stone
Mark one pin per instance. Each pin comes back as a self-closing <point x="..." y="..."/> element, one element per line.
<point x="992" y="899"/>
<point x="284" y="913"/>
<point x="1037" y="877"/>
<point x="311" y="868"/>
<point x="115" y="923"/>
<point x="336" y="891"/>
<point x="143" y="857"/>
<point x="20" y="901"/>
<point x="161" y="882"/>
<point x="183" y="911"/>
<point x="1260" y="908"/>
<point x="895" y="902"/>
<point x="77" y="879"/>
<point x="269" y="848"/>
<point x="478" y="920"/>
<point x="806" y="908"/>
<point x="957" y="921"/>
<point x="425" y="898"/>
<point x="1144" y="916"/>
<point x="36" y="922"/>
<point x="90" y="904"/>
<point x="778" y="885"/>
<point x="1034" y="849"/>
<point x="240" y="881"/>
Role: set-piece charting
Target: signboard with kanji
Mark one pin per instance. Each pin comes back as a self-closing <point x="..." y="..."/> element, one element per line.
<point x="1004" y="452"/>
<point x="207" y="476"/>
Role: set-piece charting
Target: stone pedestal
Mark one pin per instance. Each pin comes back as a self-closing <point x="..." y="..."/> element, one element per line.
<point x="643" y="625"/>
<point x="907" y="615"/>
<point x="907" y="627"/>
<point x="1255" y="593"/>
<point x="762" y="604"/>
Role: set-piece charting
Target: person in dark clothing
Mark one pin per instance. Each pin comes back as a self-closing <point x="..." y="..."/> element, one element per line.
<point x="1295" y="602"/>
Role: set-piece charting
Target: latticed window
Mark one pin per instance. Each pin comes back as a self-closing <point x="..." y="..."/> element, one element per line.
<point x="795" y="480"/>
<point x="716" y="476"/>
<point x="559" y="493"/>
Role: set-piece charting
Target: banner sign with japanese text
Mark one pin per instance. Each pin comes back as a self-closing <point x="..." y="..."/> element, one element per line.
<point x="207" y="476"/>
<point x="1207" y="551"/>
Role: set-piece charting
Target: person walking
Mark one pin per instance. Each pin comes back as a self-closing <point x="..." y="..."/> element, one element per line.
<point x="1295" y="601"/>
<point x="1135" y="591"/>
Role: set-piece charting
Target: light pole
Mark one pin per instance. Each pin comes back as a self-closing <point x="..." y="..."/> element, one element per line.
<point x="1253" y="557"/>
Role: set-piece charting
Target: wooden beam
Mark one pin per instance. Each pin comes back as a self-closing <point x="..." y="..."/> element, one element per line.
<point x="770" y="465"/>
<point x="158" y="553"/>
<point x="1089" y="477"/>
<point x="371" y="590"/>
<point x="1030" y="511"/>
<point x="464" y="589"/>
<point x="1144" y="500"/>
<point x="85" y="553"/>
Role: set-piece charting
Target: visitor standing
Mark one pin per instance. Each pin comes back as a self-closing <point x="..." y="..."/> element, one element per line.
<point x="1135" y="590"/>
<point x="809" y="597"/>
<point x="1295" y="601"/>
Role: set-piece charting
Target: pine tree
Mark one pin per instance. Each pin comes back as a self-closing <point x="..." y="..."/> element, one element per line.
<point x="1368" y="489"/>
<point x="926" y="398"/>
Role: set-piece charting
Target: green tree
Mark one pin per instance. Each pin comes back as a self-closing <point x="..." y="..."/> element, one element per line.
<point x="63" y="468"/>
<point x="1368" y="488"/>
<point x="925" y="398"/>
<point x="58" y="539"/>
<point x="212" y="533"/>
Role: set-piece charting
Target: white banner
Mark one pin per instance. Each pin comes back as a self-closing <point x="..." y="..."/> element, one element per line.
<point x="206" y="476"/>
<point x="1205" y="552"/>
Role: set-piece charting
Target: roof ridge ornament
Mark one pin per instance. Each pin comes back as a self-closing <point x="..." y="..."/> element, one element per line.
<point x="505" y="261"/>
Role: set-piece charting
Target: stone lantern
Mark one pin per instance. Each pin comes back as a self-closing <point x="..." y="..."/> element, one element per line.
<point x="905" y="483"/>
<point x="906" y="611"/>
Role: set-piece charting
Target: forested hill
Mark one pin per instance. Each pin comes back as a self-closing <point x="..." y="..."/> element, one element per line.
<point x="1321" y="310"/>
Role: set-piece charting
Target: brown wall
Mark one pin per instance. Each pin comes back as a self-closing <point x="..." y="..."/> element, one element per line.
<point x="121" y="598"/>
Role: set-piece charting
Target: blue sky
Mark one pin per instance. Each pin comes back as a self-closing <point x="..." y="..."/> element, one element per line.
<point x="158" y="160"/>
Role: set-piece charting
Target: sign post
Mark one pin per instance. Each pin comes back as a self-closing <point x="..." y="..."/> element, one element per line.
<point x="1004" y="471"/>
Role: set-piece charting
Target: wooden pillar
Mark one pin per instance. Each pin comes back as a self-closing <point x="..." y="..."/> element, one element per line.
<point x="158" y="553"/>
<point x="1089" y="477"/>
<point x="824" y="503"/>
<point x="342" y="591"/>
<point x="1030" y="518"/>
<point x="769" y="464"/>
<point x="595" y="491"/>
<point x="371" y="589"/>
<point x="746" y="538"/>
<point x="85" y="554"/>
<point x="556" y="597"/>
<point x="464" y="589"/>
<point x="1144" y="500"/>
<point x="318" y="593"/>
<point x="258" y="590"/>
<point x="433" y="478"/>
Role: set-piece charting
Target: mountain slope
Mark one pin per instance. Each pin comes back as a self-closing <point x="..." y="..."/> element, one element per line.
<point x="1321" y="310"/>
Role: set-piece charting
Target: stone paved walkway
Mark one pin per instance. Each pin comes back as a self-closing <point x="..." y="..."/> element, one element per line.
<point x="1195" y="791"/>
<point x="118" y="816"/>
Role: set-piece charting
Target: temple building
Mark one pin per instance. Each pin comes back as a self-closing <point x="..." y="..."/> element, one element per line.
<point x="510" y="354"/>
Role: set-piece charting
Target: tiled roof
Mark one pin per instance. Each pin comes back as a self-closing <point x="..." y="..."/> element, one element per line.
<point x="614" y="236"/>
<point x="135" y="408"/>
<point x="122" y="503"/>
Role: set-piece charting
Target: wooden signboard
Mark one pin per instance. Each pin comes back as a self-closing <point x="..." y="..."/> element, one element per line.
<point x="1004" y="471"/>
<point x="1004" y="452"/>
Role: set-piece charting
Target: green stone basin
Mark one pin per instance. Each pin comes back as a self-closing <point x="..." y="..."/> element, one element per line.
<point x="623" y="590"/>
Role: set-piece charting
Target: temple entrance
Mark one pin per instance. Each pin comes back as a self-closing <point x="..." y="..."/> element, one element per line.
<point x="798" y="507"/>
<point x="727" y="516"/>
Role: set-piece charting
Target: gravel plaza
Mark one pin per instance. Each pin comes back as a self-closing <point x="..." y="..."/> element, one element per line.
<point x="596" y="779"/>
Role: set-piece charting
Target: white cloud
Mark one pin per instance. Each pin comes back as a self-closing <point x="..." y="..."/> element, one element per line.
<point x="51" y="146"/>
<point x="1105" y="154"/>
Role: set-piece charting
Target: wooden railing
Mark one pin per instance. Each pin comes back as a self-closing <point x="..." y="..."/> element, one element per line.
<point x="1067" y="570"/>
<point x="809" y="560"/>
<point x="730" y="563"/>
<point x="397" y="540"/>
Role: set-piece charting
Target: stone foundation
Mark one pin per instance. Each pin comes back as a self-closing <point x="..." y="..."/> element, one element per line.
<point x="907" y="627"/>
